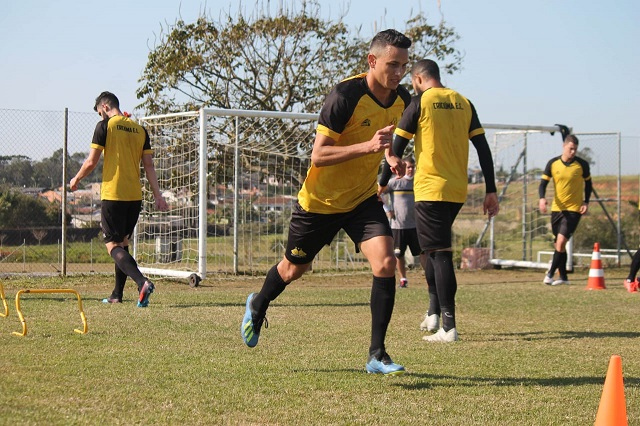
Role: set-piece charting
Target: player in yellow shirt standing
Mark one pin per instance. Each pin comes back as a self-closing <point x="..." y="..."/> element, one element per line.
<point x="441" y="122"/>
<point x="354" y="132"/>
<point x="571" y="179"/>
<point x="125" y="144"/>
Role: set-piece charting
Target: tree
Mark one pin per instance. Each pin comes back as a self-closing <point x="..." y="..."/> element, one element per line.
<point x="287" y="62"/>
<point x="16" y="170"/>
<point x="23" y="211"/>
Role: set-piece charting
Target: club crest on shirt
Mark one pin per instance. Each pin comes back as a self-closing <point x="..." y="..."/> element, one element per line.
<point x="366" y="123"/>
<point x="298" y="252"/>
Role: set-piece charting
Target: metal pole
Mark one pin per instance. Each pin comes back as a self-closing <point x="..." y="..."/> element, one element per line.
<point x="619" y="206"/>
<point x="63" y="261"/>
<point x="204" y="190"/>
<point x="236" y="199"/>
<point x="524" y="200"/>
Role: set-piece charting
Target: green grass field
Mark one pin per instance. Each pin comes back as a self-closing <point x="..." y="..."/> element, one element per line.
<point x="529" y="354"/>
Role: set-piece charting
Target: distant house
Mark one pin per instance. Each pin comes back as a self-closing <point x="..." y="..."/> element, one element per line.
<point x="86" y="220"/>
<point x="273" y="204"/>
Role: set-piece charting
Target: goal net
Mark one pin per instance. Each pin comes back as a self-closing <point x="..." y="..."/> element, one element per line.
<point x="521" y="235"/>
<point x="231" y="178"/>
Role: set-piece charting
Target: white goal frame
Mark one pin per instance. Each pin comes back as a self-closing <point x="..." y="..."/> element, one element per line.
<point x="201" y="134"/>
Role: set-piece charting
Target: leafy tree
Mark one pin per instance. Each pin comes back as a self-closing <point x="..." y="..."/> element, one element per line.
<point x="16" y="170"/>
<point x="287" y="62"/>
<point x="23" y="211"/>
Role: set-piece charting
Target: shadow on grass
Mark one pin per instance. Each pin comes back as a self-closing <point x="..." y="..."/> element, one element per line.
<point x="242" y="305"/>
<point x="433" y="380"/>
<point x="568" y="334"/>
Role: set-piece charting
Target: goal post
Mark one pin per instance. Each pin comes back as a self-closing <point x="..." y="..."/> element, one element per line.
<point x="231" y="179"/>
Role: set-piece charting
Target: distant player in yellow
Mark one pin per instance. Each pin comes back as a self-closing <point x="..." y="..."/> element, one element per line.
<point x="126" y="145"/>
<point x="441" y="121"/>
<point x="354" y="131"/>
<point x="572" y="181"/>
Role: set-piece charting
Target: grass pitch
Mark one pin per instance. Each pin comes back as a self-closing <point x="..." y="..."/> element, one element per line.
<point x="529" y="354"/>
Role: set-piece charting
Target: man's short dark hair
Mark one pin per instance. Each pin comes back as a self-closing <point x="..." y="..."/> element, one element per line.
<point x="426" y="67"/>
<point x="107" y="98"/>
<point x="571" y="138"/>
<point x="389" y="37"/>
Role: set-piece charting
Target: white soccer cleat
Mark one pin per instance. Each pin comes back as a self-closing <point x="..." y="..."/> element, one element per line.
<point x="430" y="322"/>
<point x="560" y="282"/>
<point x="443" y="336"/>
<point x="547" y="280"/>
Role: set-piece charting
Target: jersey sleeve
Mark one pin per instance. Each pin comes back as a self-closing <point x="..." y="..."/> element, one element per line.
<point x="146" y="148"/>
<point x="475" y="128"/>
<point x="546" y="175"/>
<point x="334" y="115"/>
<point x="408" y="124"/>
<point x="100" y="135"/>
<point x="586" y="170"/>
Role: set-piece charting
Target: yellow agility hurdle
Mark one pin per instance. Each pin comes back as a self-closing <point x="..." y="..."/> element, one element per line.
<point x="4" y="302"/>
<point x="58" y="290"/>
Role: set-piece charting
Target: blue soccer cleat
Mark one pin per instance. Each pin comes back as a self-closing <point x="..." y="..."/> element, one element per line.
<point x="384" y="365"/>
<point x="145" y="292"/>
<point x="251" y="324"/>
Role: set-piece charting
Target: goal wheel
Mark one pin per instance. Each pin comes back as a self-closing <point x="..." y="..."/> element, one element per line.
<point x="194" y="280"/>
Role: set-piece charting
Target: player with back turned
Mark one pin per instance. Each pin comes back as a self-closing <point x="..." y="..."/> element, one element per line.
<point x="441" y="121"/>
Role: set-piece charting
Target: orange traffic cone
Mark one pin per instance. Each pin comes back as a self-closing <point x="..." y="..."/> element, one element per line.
<point x="596" y="274"/>
<point x="613" y="409"/>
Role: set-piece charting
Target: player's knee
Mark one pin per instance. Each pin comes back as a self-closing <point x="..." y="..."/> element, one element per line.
<point x="290" y="271"/>
<point x="387" y="266"/>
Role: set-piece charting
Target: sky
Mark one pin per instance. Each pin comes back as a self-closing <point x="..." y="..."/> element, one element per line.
<point x="538" y="62"/>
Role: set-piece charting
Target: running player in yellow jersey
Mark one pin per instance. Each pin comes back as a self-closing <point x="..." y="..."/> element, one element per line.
<point x="125" y="145"/>
<point x="442" y="122"/>
<point x="354" y="132"/>
<point x="571" y="179"/>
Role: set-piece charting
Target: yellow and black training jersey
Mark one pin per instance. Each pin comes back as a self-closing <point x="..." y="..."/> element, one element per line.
<point x="123" y="142"/>
<point x="569" y="182"/>
<point x="446" y="121"/>
<point x="350" y="115"/>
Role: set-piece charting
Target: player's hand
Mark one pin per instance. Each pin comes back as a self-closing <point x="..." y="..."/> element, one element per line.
<point x="395" y="163"/>
<point x="73" y="184"/>
<point x="491" y="205"/>
<point x="584" y="208"/>
<point x="542" y="205"/>
<point x="382" y="139"/>
<point x="161" y="204"/>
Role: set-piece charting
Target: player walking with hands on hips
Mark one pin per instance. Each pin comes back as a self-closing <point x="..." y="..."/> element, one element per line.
<point x="354" y="133"/>
<point x="441" y="122"/>
<point x="125" y="144"/>
<point x="571" y="179"/>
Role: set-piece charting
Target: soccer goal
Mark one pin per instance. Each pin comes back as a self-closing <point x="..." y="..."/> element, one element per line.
<point x="520" y="235"/>
<point x="231" y="178"/>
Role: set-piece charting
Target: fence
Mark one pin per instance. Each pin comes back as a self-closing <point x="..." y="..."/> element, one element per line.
<point x="250" y="170"/>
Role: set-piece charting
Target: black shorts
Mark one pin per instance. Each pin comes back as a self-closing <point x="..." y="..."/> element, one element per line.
<point x="309" y="232"/>
<point x="403" y="238"/>
<point x="434" y="220"/>
<point x="564" y="223"/>
<point x="118" y="219"/>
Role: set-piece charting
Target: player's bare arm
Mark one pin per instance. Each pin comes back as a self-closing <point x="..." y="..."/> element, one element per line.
<point x="152" y="177"/>
<point x="326" y="153"/>
<point x="87" y="167"/>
